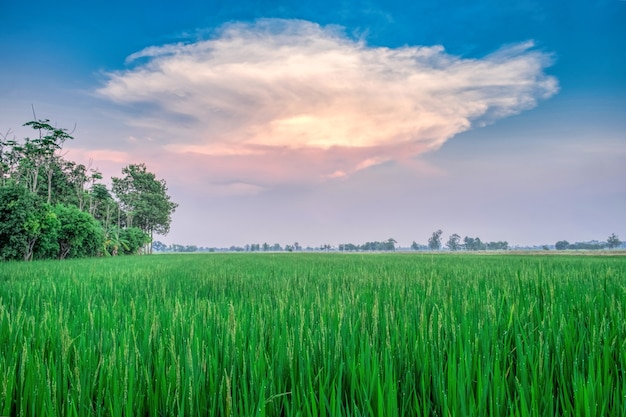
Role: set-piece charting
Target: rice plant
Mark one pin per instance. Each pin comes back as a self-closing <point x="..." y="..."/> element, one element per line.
<point x="314" y="335"/>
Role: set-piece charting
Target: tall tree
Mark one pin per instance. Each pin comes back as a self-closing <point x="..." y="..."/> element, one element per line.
<point x="434" y="242"/>
<point x="454" y="242"/>
<point x="40" y="153"/>
<point x="613" y="241"/>
<point x="144" y="200"/>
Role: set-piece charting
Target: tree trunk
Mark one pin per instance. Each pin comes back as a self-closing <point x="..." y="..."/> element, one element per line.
<point x="35" y="176"/>
<point x="65" y="250"/>
<point x="50" y="173"/>
<point x="30" y="246"/>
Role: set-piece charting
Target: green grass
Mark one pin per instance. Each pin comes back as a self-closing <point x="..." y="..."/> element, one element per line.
<point x="314" y="335"/>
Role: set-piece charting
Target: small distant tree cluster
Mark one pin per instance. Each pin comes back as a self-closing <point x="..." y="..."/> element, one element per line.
<point x="562" y="245"/>
<point x="51" y="207"/>
<point x="475" y="244"/>
<point x="612" y="242"/>
<point x="387" y="245"/>
<point x="417" y="246"/>
<point x="454" y="243"/>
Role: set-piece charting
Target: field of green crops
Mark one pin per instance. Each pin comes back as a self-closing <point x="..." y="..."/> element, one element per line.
<point x="314" y="335"/>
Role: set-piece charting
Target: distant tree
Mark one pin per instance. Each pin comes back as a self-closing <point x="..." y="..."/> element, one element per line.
<point x="499" y="245"/>
<point x="434" y="242"/>
<point x="390" y="244"/>
<point x="454" y="242"/>
<point x="562" y="245"/>
<point x="348" y="247"/>
<point x="473" y="243"/>
<point x="613" y="241"/>
<point x="159" y="246"/>
<point x="591" y="245"/>
<point x="417" y="246"/>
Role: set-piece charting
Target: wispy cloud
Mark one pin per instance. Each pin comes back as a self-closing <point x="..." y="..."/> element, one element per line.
<point x="276" y="100"/>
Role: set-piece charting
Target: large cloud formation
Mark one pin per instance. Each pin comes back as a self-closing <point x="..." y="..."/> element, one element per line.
<point x="275" y="100"/>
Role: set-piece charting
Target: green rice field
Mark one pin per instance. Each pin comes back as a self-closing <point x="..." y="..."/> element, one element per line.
<point x="296" y="334"/>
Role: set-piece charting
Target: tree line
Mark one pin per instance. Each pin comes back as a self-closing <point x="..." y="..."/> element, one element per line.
<point x="250" y="247"/>
<point x="54" y="208"/>
<point x="455" y="243"/>
<point x="435" y="243"/>
<point x="612" y="242"/>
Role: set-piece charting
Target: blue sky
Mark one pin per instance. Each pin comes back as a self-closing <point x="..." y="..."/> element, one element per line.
<point x="335" y="122"/>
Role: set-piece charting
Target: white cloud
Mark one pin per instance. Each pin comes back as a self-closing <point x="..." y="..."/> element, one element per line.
<point x="289" y="87"/>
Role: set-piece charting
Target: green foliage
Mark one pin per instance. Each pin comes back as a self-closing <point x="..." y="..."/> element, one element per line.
<point x="32" y="229"/>
<point x="47" y="245"/>
<point x="132" y="240"/>
<point x="125" y="241"/>
<point x="38" y="155"/>
<point x="145" y="199"/>
<point x="24" y="219"/>
<point x="315" y="334"/>
<point x="80" y="235"/>
<point x="54" y="208"/>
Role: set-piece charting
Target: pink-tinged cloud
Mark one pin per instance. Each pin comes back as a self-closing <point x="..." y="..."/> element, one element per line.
<point x="284" y="100"/>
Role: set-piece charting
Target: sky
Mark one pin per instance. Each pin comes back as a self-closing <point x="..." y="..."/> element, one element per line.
<point x="329" y="122"/>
